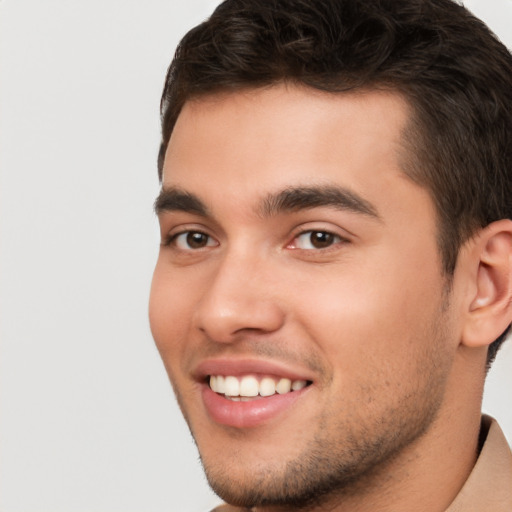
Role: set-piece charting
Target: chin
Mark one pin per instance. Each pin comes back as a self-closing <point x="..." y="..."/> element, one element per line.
<point x="324" y="471"/>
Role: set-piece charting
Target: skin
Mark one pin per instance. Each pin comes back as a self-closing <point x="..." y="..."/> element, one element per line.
<point x="392" y="413"/>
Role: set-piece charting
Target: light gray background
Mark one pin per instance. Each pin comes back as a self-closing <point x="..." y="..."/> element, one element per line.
<point x="88" y="421"/>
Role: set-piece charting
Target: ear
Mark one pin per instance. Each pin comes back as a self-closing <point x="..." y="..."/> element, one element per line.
<point x="490" y="302"/>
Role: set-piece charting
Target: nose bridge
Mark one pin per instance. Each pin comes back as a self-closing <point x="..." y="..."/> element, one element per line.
<point x="239" y="297"/>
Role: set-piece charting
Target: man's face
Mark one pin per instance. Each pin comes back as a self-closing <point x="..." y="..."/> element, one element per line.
<point x="296" y="252"/>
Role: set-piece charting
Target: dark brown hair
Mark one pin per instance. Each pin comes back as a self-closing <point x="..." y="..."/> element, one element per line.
<point x="453" y="71"/>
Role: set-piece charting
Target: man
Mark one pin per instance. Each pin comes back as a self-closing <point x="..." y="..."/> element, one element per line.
<point x="335" y="274"/>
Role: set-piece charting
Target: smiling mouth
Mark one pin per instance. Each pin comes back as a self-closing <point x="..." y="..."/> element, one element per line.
<point x="249" y="387"/>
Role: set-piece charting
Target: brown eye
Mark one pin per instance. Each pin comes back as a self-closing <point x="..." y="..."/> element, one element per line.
<point x="197" y="240"/>
<point x="193" y="240"/>
<point x="316" y="240"/>
<point x="321" y="240"/>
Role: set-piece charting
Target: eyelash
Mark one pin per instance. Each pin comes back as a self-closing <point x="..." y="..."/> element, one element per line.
<point x="323" y="236"/>
<point x="330" y="239"/>
<point x="174" y="239"/>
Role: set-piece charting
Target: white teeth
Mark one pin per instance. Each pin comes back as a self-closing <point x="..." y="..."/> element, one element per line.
<point x="221" y="384"/>
<point x="249" y="387"/>
<point x="267" y="387"/>
<point x="217" y="384"/>
<point x="298" y="385"/>
<point x="284" y="386"/>
<point x="232" y="386"/>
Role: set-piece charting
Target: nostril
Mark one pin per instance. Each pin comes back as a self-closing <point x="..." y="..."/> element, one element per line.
<point x="247" y="318"/>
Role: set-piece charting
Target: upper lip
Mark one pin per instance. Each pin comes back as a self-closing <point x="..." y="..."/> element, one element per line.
<point x="246" y="366"/>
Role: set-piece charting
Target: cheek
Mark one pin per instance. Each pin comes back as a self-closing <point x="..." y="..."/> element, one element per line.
<point x="169" y="313"/>
<point x="376" y="315"/>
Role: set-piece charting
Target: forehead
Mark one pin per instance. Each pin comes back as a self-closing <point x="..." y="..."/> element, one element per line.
<point x="247" y="143"/>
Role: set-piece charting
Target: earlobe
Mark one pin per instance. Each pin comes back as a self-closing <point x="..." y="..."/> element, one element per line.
<point x="490" y="307"/>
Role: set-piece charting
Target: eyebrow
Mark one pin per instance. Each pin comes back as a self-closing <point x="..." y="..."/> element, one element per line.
<point x="302" y="198"/>
<point x="175" y="199"/>
<point x="291" y="199"/>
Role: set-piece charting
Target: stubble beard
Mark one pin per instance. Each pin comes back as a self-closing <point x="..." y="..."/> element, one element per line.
<point x="346" y="459"/>
<point x="327" y="471"/>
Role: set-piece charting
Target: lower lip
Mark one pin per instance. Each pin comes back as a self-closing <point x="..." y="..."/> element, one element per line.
<point x="247" y="414"/>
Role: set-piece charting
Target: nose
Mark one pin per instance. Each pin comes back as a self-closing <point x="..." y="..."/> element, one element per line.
<point x="239" y="298"/>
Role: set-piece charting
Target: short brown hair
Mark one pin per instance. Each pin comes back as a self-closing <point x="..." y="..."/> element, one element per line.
<point x="451" y="68"/>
